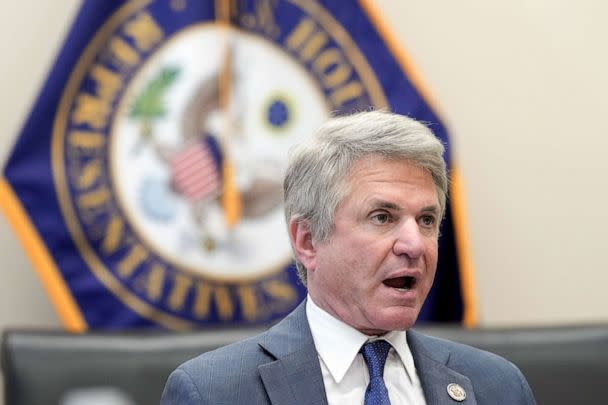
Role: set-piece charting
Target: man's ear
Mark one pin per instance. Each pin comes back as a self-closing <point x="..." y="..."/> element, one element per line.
<point x="303" y="246"/>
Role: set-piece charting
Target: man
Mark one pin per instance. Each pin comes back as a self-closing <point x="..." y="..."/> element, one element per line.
<point x="364" y="199"/>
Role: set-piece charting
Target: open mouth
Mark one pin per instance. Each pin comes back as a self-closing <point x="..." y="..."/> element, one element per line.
<point x="404" y="283"/>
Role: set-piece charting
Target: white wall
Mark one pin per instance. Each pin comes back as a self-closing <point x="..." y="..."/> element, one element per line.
<point x="522" y="86"/>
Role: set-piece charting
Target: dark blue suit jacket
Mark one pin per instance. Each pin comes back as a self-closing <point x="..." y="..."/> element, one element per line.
<point x="281" y="367"/>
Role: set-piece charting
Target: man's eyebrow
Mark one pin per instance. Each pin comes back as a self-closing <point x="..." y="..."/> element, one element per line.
<point x="430" y="208"/>
<point x="385" y="205"/>
<point x="433" y="209"/>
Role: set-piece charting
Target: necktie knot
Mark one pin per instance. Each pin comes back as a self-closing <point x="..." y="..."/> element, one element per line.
<point x="375" y="354"/>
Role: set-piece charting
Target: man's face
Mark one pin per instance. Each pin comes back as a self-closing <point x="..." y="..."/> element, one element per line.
<point x="378" y="266"/>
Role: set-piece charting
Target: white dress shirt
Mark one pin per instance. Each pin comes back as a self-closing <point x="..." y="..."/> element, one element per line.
<point x="344" y="370"/>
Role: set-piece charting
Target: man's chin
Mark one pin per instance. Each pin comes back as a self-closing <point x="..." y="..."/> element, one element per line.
<point x="399" y="321"/>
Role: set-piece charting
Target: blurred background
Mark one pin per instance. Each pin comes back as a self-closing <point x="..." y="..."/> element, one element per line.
<point x="521" y="86"/>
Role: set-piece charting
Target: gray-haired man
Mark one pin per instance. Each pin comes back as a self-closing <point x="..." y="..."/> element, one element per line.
<point x="364" y="199"/>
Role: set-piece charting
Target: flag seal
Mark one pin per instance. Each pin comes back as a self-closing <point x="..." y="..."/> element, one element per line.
<point x="168" y="138"/>
<point x="139" y="141"/>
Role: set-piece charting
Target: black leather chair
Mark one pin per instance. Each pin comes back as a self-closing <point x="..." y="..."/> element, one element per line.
<point x="565" y="365"/>
<point x="46" y="367"/>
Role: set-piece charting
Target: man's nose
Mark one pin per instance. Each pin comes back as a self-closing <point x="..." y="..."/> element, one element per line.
<point x="409" y="240"/>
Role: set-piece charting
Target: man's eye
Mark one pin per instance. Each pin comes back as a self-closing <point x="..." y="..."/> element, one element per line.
<point x="428" y="220"/>
<point x="381" y="218"/>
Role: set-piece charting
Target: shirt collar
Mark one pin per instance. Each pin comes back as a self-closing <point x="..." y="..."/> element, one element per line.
<point x="338" y="343"/>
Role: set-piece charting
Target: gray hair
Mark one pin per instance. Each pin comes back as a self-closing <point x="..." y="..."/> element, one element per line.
<point x="316" y="179"/>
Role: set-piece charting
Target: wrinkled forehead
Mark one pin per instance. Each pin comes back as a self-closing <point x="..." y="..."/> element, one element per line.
<point x="374" y="162"/>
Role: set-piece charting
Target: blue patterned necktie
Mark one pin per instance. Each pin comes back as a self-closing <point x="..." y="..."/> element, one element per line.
<point x="375" y="354"/>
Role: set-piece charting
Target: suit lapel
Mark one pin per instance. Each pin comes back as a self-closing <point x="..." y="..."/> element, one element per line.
<point x="435" y="376"/>
<point x="295" y="376"/>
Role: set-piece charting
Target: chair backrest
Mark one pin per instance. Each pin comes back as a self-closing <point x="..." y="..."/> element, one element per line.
<point x="566" y="365"/>
<point x="51" y="367"/>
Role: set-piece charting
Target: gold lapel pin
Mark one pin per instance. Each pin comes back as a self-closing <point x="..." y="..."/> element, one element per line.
<point x="456" y="392"/>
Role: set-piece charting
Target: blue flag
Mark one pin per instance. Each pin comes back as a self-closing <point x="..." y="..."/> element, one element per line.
<point x="146" y="183"/>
